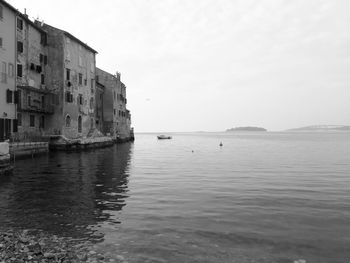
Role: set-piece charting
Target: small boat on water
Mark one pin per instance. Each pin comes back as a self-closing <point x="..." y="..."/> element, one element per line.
<point x="163" y="137"/>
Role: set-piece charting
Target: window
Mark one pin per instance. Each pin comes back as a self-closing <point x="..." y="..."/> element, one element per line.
<point x="16" y="96"/>
<point x="0" y="42"/>
<point x="43" y="39"/>
<point x="20" y="47"/>
<point x="19" y="70"/>
<point x="42" y="122"/>
<point x="80" y="99"/>
<point x="29" y="101"/>
<point x="79" y="124"/>
<point x="11" y="72"/>
<point x="69" y="96"/>
<point x="45" y="60"/>
<point x="67" y="121"/>
<point x="114" y="111"/>
<point x="15" y="125"/>
<point x="42" y="79"/>
<point x="4" y="73"/>
<point x="19" y="23"/>
<point x="19" y="119"/>
<point x="80" y="79"/>
<point x="9" y="96"/>
<point x="31" y="121"/>
<point x="67" y="74"/>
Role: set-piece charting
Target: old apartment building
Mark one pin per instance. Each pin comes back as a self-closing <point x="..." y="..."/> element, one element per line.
<point x="71" y="77"/>
<point x="8" y="123"/>
<point x="35" y="99"/>
<point x="116" y="118"/>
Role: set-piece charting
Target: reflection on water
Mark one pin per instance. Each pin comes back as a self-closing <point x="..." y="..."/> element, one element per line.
<point x="66" y="194"/>
<point x="262" y="197"/>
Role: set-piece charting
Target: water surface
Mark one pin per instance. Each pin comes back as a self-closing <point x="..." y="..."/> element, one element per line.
<point x="262" y="197"/>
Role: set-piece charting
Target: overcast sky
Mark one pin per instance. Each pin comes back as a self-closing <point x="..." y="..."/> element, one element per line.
<point x="209" y="65"/>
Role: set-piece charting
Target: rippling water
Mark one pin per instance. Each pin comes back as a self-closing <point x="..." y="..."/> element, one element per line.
<point x="262" y="197"/>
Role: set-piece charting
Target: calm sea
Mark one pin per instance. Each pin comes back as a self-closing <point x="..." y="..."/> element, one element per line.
<point x="262" y="197"/>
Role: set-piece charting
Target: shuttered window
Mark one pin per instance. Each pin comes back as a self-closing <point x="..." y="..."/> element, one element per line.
<point x="19" y="70"/>
<point x="9" y="95"/>
<point x="20" y="47"/>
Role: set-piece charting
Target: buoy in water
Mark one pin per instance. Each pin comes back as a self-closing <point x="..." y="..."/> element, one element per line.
<point x="220" y="144"/>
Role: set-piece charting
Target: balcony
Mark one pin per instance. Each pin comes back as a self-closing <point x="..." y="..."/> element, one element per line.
<point x="35" y="100"/>
<point x="36" y="107"/>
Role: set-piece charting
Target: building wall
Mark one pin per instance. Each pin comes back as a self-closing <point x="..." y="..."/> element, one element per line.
<point x="110" y="82"/>
<point x="123" y="127"/>
<point x="7" y="66"/>
<point x="65" y="52"/>
<point x="55" y="77"/>
<point x="34" y="108"/>
<point x="80" y="61"/>
<point x="99" y="107"/>
<point x="116" y="116"/>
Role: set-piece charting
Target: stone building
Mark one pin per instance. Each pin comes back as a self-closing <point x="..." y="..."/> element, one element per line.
<point x="8" y="98"/>
<point x="99" y="117"/>
<point x="71" y="78"/>
<point x="35" y="99"/>
<point x="116" y="118"/>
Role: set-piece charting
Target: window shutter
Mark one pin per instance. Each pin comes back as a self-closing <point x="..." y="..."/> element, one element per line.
<point x="19" y="70"/>
<point x="15" y="125"/>
<point x="16" y="98"/>
<point x="9" y="96"/>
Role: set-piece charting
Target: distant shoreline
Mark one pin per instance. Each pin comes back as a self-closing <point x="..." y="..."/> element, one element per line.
<point x="247" y="129"/>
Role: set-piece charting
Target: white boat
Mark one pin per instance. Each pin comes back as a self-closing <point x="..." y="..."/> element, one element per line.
<point x="162" y="137"/>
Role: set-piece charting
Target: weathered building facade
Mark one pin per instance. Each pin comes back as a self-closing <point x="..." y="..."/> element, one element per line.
<point x="7" y="70"/>
<point x="49" y="84"/>
<point x="71" y="77"/>
<point x="99" y="117"/>
<point x="34" y="97"/>
<point x="116" y="118"/>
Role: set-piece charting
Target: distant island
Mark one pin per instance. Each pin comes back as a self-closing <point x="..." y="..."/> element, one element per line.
<point x="321" y="128"/>
<point x="250" y="129"/>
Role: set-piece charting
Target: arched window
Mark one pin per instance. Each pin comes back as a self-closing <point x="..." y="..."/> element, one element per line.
<point x="79" y="124"/>
<point x="67" y="121"/>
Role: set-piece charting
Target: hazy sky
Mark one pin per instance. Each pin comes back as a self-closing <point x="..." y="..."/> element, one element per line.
<point x="193" y="65"/>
